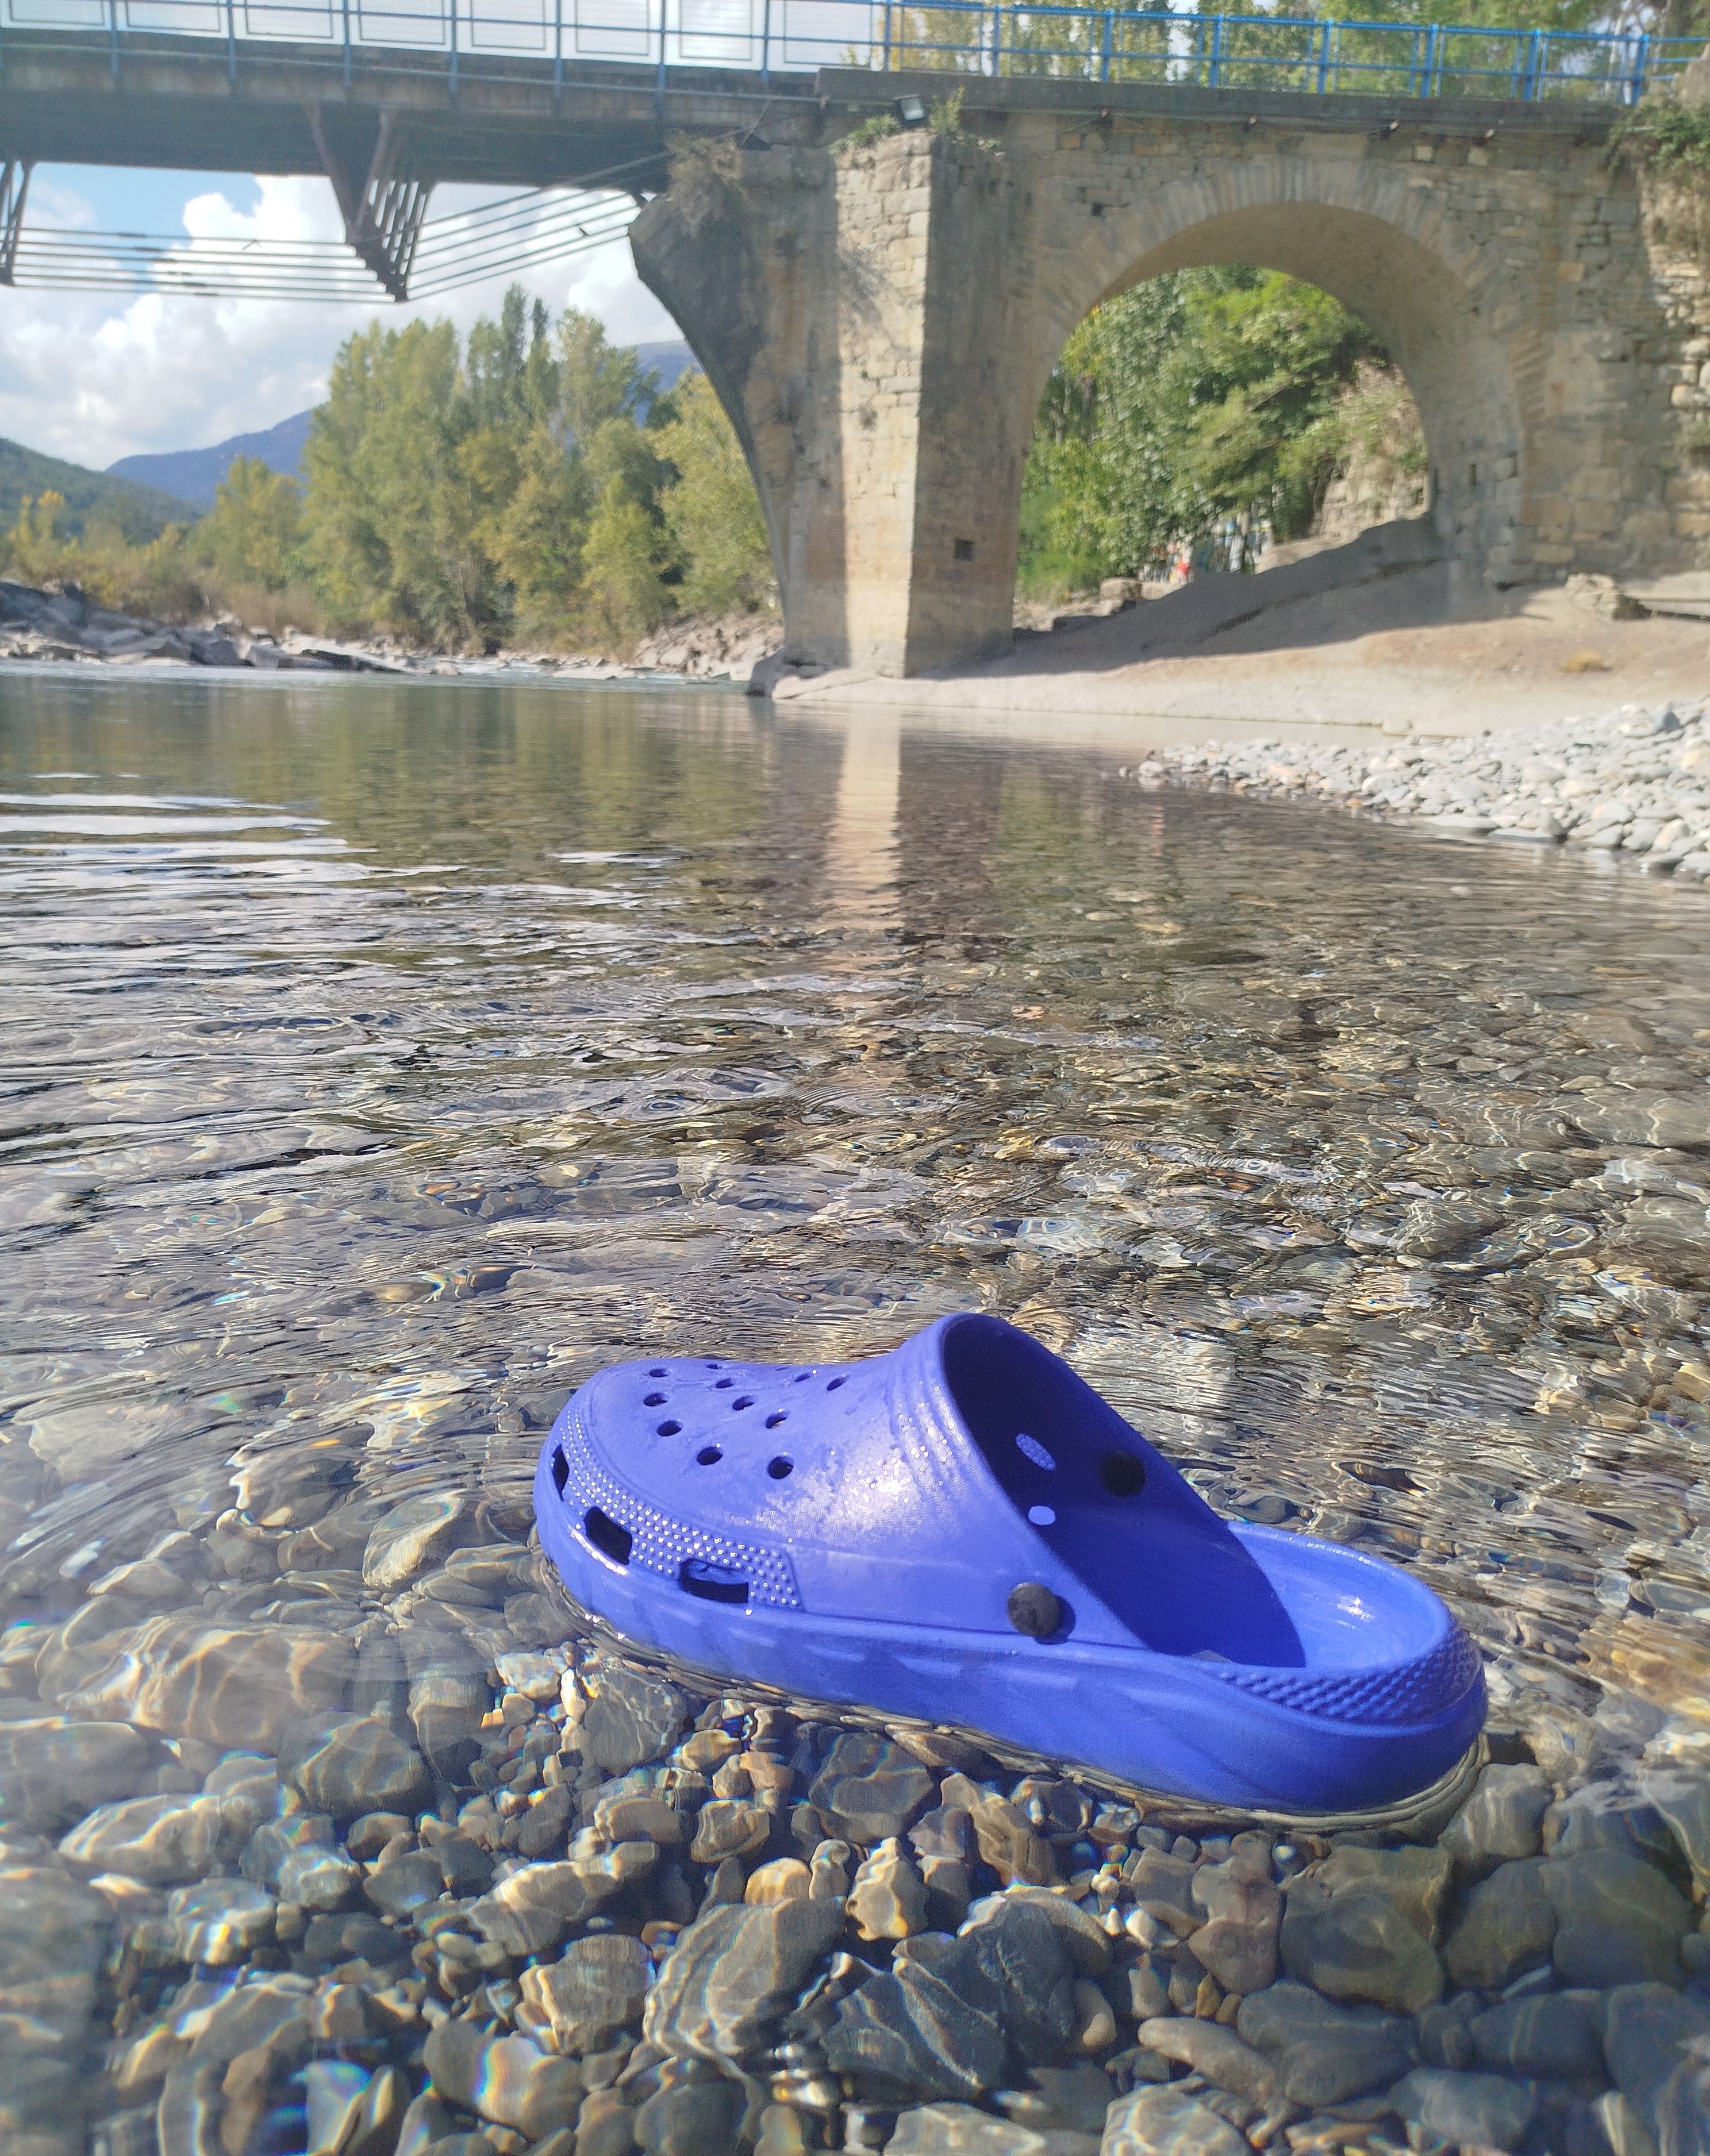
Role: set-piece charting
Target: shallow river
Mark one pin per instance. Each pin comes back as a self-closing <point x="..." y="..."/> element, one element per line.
<point x="378" y="1063"/>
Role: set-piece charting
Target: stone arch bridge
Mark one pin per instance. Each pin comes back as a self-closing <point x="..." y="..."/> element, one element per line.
<point x="881" y="318"/>
<point x="880" y="321"/>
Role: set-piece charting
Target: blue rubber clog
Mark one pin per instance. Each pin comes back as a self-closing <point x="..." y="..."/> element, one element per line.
<point x="963" y="1531"/>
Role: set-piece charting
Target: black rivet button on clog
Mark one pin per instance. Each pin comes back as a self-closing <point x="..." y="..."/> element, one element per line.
<point x="1034" y="1609"/>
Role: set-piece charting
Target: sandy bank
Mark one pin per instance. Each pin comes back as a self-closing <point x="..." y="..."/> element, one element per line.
<point x="1381" y="631"/>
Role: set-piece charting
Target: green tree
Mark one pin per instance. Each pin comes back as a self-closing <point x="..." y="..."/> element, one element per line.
<point x="252" y="533"/>
<point x="1198" y="396"/>
<point x="711" y="511"/>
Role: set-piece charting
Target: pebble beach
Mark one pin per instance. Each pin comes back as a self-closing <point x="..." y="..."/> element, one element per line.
<point x="1634" y="782"/>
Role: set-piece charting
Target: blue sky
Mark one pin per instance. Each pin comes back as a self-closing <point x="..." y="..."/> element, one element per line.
<point x="96" y="375"/>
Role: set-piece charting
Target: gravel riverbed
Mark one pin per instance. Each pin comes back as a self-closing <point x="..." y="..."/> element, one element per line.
<point x="1635" y="781"/>
<point x="531" y="1897"/>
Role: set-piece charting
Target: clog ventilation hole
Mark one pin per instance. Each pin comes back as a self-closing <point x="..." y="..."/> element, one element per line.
<point x="626" y="1529"/>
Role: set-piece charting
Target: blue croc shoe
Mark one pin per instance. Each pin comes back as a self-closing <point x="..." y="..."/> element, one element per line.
<point x="964" y="1531"/>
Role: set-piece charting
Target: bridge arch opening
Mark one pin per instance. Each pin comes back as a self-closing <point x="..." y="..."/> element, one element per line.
<point x="1434" y="336"/>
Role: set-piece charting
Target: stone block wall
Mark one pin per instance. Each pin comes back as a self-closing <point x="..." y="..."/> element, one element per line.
<point x="882" y="320"/>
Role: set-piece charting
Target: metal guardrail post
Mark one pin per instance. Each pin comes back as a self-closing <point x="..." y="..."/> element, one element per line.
<point x="232" y="42"/>
<point x="1537" y="65"/>
<point x="557" y="52"/>
<point x="885" y="50"/>
<point x="1324" y="59"/>
<point x="1110" y="26"/>
<point x="1215" y="76"/>
<point x="113" y="34"/>
<point x="658" y="86"/>
<point x="765" y="40"/>
<point x="1635" y="86"/>
<point x="451" y="78"/>
<point x="1432" y="37"/>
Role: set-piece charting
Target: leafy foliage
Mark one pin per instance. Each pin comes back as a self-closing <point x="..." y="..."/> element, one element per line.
<point x="1197" y="397"/>
<point x="528" y="486"/>
<point x="711" y="513"/>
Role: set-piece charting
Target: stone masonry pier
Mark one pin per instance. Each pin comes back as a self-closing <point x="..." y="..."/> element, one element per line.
<point x="880" y="321"/>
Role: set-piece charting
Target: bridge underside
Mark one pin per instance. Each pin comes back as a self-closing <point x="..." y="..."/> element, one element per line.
<point x="191" y="104"/>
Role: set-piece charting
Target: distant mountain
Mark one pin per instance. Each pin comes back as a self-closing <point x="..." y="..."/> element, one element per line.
<point x="195" y="475"/>
<point x="138" y="511"/>
<point x="671" y="362"/>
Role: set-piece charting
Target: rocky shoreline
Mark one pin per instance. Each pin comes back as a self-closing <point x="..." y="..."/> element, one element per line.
<point x="67" y="626"/>
<point x="458" y="1880"/>
<point x="1633" y="784"/>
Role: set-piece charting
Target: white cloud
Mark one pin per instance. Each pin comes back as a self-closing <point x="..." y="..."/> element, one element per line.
<point x="94" y="376"/>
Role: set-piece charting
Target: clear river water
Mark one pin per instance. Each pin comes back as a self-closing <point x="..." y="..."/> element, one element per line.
<point x="379" y="1062"/>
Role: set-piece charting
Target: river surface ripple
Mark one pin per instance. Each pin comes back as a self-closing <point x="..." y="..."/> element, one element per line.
<point x="379" y="1063"/>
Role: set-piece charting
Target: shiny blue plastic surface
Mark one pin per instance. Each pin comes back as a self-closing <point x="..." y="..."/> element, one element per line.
<point x="855" y="1533"/>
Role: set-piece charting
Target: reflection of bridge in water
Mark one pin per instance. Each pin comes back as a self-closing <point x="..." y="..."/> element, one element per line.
<point x="880" y="319"/>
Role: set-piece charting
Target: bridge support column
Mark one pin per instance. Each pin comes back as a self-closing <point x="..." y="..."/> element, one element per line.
<point x="855" y="311"/>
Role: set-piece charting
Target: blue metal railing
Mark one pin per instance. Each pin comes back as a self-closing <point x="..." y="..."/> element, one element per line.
<point x="1006" y="37"/>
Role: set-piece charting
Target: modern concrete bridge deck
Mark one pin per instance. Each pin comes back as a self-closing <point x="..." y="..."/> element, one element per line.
<point x="880" y="319"/>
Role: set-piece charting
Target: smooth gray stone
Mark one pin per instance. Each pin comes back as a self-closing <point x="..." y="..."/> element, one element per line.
<point x="1559" y="2034"/>
<point x="1646" y="2031"/>
<point x="1507" y="1924"/>
<point x="958" y="2129"/>
<point x="163" y="1841"/>
<point x="1077" y="2097"/>
<point x="956" y="2017"/>
<point x="317" y="1877"/>
<point x="1482" y="2110"/>
<point x="1207" y="2048"/>
<point x="1602" y="1816"/>
<point x="1682" y="1797"/>
<point x="190" y="2104"/>
<point x="1359" y="1946"/>
<point x="355" y="1767"/>
<point x="405" y="1883"/>
<point x="1619" y="1921"/>
<point x="698" y="2119"/>
<point x="452" y="2055"/>
<point x="1087" y="1945"/>
<point x="1324" y="2054"/>
<point x="275" y="1839"/>
<point x="420" y="1533"/>
<point x="221" y="1922"/>
<point x="533" y="1910"/>
<point x="869" y="1788"/>
<point x="1683" y="2106"/>
<point x="1238" y="1943"/>
<point x="1501" y="1820"/>
<point x="426" y="2120"/>
<point x="629" y="1717"/>
<point x="349" y="1935"/>
<point x="1168" y="2121"/>
<point x="53" y="1771"/>
<point x="598" y="1986"/>
<point x="731" y="1974"/>
<point x="252" y="2013"/>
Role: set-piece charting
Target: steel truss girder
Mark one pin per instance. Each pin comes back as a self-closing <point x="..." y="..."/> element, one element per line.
<point x="383" y="213"/>
<point x="14" y="186"/>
